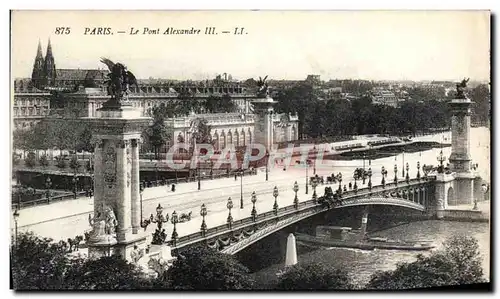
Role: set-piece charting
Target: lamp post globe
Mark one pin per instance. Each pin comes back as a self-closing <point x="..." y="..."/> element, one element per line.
<point x="275" y="205"/>
<point x="16" y="217"/>
<point x="396" y="174"/>
<point x="229" y="206"/>
<point x="296" y="199"/>
<point x="254" y="200"/>
<point x="370" y="178"/>
<point x="174" y="221"/>
<point x="314" y="184"/>
<point x="203" y="213"/>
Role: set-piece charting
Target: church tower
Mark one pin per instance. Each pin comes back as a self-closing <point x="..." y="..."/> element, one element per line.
<point x="38" y="75"/>
<point x="50" y="66"/>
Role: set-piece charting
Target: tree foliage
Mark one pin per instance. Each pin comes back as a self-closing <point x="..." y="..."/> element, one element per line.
<point x="320" y="115"/>
<point x="37" y="263"/>
<point x="30" y="160"/>
<point x="206" y="269"/>
<point x="104" y="274"/>
<point x="216" y="104"/>
<point x="40" y="264"/>
<point x="158" y="133"/>
<point x="316" y="276"/>
<point x="457" y="263"/>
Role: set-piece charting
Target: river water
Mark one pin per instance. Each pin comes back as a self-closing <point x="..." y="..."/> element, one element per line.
<point x="361" y="264"/>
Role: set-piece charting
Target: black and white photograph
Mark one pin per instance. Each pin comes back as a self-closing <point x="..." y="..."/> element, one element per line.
<point x="250" y="150"/>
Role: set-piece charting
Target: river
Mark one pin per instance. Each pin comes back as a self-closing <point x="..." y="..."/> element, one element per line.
<point x="362" y="264"/>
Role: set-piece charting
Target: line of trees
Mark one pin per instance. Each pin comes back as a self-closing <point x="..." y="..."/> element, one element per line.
<point x="41" y="264"/>
<point x="319" y="117"/>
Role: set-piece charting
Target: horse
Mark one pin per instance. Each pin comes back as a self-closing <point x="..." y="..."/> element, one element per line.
<point x="74" y="243"/>
<point x="185" y="217"/>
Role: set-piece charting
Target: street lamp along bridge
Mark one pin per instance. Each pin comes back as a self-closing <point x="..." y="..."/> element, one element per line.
<point x="236" y="235"/>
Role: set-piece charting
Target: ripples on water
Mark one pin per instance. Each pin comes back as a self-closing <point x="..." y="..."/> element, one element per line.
<point x="363" y="263"/>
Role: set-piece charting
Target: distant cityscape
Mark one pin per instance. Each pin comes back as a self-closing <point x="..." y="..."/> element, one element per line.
<point x="84" y="91"/>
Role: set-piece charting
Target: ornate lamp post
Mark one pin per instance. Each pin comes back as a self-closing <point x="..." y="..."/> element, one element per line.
<point x="403" y="166"/>
<point x="74" y="180"/>
<point x="174" y="221"/>
<point x="203" y="213"/>
<point x="314" y="184"/>
<point x="426" y="170"/>
<point x="407" y="172"/>
<point x="16" y="217"/>
<point x="159" y="219"/>
<point x="418" y="171"/>
<point x="314" y="165"/>
<point x="229" y="206"/>
<point x="48" y="184"/>
<point x="198" y="172"/>
<point x="370" y="178"/>
<point x="296" y="199"/>
<point x="156" y="173"/>
<point x="254" y="211"/>
<point x="267" y="166"/>
<point x="441" y="158"/>
<point x="241" y="188"/>
<point x="339" y="177"/>
<point x="395" y="174"/>
<point x="364" y="157"/>
<point x="275" y="205"/>
<point x="384" y="174"/>
<point x="307" y="176"/>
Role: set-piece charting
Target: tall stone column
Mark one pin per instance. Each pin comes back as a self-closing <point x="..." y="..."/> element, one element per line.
<point x="124" y="204"/>
<point x="460" y="158"/>
<point x="136" y="205"/>
<point x="263" y="128"/>
<point x="116" y="172"/>
<point x="98" y="177"/>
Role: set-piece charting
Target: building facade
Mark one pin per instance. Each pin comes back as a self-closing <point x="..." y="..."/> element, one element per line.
<point x="231" y="129"/>
<point x="30" y="105"/>
<point x="76" y="93"/>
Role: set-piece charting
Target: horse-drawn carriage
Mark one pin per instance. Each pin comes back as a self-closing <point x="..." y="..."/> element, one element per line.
<point x="330" y="198"/>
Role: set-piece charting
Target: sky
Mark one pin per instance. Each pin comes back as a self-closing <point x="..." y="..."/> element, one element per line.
<point x="372" y="45"/>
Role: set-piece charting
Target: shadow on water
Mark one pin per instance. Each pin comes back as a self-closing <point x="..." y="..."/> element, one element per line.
<point x="266" y="257"/>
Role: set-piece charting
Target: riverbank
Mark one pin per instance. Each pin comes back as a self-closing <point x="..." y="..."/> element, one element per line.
<point x="387" y="151"/>
<point x="363" y="263"/>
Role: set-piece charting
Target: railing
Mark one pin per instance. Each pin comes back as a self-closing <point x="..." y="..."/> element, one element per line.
<point x="46" y="200"/>
<point x="288" y="210"/>
<point x="167" y="182"/>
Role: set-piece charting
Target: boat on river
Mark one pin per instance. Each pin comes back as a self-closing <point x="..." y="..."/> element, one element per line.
<point x="346" y="237"/>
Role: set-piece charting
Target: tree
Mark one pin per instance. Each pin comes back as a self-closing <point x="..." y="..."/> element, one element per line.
<point x="104" y="274"/>
<point x="206" y="269"/>
<point x="315" y="276"/>
<point x="457" y="263"/>
<point x="158" y="133"/>
<point x="40" y="264"/>
<point x="74" y="164"/>
<point x="44" y="161"/>
<point x="60" y="162"/>
<point x="202" y="134"/>
<point x="37" y="263"/>
<point x="30" y="160"/>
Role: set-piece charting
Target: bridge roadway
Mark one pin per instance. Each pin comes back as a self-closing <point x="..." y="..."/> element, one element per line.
<point x="62" y="220"/>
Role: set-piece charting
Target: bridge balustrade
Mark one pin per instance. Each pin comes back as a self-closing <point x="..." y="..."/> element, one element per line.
<point x="284" y="212"/>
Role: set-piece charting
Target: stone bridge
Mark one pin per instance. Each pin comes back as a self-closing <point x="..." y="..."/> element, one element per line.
<point x="417" y="194"/>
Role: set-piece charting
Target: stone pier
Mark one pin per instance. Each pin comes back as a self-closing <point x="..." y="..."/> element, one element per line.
<point x="116" y="172"/>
